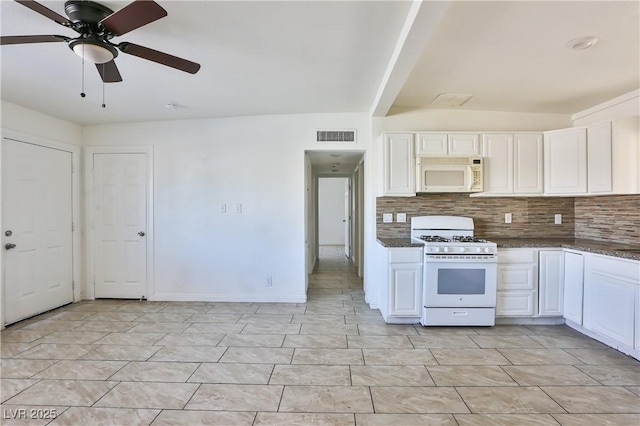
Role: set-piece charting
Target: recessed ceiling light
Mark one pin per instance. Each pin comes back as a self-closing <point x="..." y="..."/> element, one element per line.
<point x="334" y="155"/>
<point x="171" y="106"/>
<point x="582" y="43"/>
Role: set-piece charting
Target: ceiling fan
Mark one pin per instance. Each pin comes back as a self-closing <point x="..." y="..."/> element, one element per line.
<point x="96" y="26"/>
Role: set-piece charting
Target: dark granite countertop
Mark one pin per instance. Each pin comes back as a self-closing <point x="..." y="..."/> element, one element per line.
<point x="399" y="242"/>
<point x="593" y="246"/>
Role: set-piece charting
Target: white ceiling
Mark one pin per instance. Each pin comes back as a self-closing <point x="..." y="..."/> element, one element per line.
<point x="271" y="57"/>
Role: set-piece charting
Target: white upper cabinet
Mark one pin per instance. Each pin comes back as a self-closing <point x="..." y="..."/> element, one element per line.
<point x="599" y="159"/>
<point x="565" y="162"/>
<point x="399" y="165"/>
<point x="441" y="144"/>
<point x="613" y="155"/>
<point x="512" y="163"/>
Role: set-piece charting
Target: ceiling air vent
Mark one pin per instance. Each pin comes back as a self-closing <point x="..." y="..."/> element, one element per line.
<point x="336" y="136"/>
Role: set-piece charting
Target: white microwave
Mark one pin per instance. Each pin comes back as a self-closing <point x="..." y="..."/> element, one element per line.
<point x="449" y="174"/>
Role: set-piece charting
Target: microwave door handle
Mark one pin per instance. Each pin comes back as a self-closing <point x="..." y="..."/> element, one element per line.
<point x="469" y="178"/>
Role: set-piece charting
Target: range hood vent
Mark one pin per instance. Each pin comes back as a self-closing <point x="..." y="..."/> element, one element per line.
<point x="336" y="136"/>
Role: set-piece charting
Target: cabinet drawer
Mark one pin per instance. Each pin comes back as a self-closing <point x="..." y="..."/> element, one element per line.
<point x="628" y="270"/>
<point x="515" y="303"/>
<point x="405" y="255"/>
<point x="517" y="277"/>
<point x="518" y="256"/>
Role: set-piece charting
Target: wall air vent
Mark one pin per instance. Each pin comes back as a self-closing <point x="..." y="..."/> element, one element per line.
<point x="336" y="136"/>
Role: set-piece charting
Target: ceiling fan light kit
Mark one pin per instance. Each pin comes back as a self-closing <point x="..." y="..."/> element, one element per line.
<point x="96" y="26"/>
<point x="93" y="50"/>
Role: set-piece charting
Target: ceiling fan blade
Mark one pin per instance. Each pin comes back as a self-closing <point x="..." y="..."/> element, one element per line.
<point x="132" y="16"/>
<point x="109" y="72"/>
<point x="44" y="11"/>
<point x="32" y="39"/>
<point x="159" y="57"/>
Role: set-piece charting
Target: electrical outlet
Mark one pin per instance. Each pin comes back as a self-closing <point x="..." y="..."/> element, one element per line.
<point x="269" y="281"/>
<point x="238" y="208"/>
<point x="558" y="219"/>
<point x="401" y="218"/>
<point x="223" y="208"/>
<point x="387" y="217"/>
<point x="507" y="218"/>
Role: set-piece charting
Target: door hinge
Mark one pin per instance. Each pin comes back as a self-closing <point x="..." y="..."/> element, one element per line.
<point x="72" y="168"/>
<point x="73" y="285"/>
<point x="73" y="226"/>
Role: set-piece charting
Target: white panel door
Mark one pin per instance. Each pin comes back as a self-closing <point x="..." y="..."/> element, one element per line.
<point x="347" y="218"/>
<point x="36" y="229"/>
<point x="120" y="225"/>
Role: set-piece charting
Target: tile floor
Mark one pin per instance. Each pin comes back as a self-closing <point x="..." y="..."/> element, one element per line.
<point x="331" y="361"/>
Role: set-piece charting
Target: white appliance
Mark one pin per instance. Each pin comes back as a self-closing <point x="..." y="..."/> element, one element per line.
<point x="460" y="272"/>
<point x="449" y="174"/>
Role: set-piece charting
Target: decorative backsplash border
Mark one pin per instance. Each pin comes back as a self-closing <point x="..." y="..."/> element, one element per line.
<point x="611" y="218"/>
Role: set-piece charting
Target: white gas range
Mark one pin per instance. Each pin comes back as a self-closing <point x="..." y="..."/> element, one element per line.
<point x="460" y="272"/>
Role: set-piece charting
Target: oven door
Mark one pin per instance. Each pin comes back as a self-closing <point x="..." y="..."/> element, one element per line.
<point x="460" y="284"/>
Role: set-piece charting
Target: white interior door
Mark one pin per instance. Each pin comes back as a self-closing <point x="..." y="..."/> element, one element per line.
<point x="347" y="218"/>
<point x="120" y="225"/>
<point x="36" y="229"/>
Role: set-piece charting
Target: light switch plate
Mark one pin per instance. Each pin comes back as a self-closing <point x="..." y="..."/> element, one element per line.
<point x="507" y="218"/>
<point x="223" y="208"/>
<point x="558" y="219"/>
<point x="401" y="218"/>
<point x="387" y="217"/>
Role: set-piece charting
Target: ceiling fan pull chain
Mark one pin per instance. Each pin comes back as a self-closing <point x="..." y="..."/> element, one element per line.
<point x="103" y="104"/>
<point x="82" y="94"/>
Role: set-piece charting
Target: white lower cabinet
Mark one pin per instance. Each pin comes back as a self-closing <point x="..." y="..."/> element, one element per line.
<point x="610" y="292"/>
<point x="573" y="286"/>
<point x="401" y="298"/>
<point x="551" y="274"/>
<point x="517" y="282"/>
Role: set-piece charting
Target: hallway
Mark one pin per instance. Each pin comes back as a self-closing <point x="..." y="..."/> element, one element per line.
<point x="331" y="361"/>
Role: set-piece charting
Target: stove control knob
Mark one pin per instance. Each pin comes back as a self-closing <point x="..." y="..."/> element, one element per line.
<point x="461" y="250"/>
<point x="435" y="249"/>
<point x="478" y="250"/>
<point x="486" y="249"/>
<point x="446" y="249"/>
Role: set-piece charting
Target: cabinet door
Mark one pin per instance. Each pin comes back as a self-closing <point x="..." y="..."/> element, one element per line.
<point x="565" y="162"/>
<point x="573" y="286"/>
<point x="431" y="144"/>
<point x="399" y="165"/>
<point x="405" y="289"/>
<point x="610" y="289"/>
<point x="497" y="150"/>
<point x="528" y="162"/>
<point x="464" y="144"/>
<point x="599" y="160"/>
<point x="550" y="275"/>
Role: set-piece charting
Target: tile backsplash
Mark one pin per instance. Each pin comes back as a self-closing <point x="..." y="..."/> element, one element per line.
<point x="606" y="218"/>
<point x="611" y="218"/>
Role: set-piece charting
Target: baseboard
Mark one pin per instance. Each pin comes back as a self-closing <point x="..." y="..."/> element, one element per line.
<point x="254" y="298"/>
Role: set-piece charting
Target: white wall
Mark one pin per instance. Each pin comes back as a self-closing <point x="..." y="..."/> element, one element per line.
<point x="201" y="254"/>
<point x="331" y="211"/>
<point x="35" y="123"/>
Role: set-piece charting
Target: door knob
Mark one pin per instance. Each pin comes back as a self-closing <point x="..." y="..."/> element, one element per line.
<point x="9" y="246"/>
<point x="141" y="233"/>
